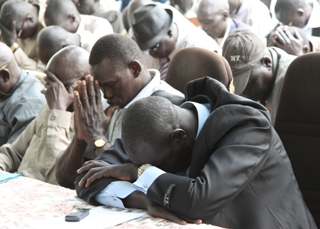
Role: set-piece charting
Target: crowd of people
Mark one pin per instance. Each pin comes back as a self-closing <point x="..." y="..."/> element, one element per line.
<point x="167" y="106"/>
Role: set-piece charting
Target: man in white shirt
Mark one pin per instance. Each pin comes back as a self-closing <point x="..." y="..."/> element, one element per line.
<point x="65" y="14"/>
<point x="118" y="67"/>
<point x="170" y="31"/>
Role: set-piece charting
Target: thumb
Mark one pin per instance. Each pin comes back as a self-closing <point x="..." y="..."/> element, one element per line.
<point x="70" y="90"/>
<point x="13" y="26"/>
<point x="109" y="111"/>
<point x="297" y="35"/>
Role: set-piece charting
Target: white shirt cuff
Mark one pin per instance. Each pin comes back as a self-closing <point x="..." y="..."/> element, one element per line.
<point x="147" y="178"/>
<point x="114" y="192"/>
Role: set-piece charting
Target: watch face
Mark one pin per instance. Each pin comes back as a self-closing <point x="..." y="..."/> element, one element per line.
<point x="99" y="143"/>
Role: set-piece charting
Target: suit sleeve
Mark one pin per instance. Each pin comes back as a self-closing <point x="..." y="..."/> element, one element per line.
<point x="114" y="155"/>
<point x="229" y="152"/>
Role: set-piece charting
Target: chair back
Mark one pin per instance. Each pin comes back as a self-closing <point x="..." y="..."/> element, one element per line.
<point x="298" y="125"/>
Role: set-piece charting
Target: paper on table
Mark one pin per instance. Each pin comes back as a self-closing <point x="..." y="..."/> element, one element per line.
<point x="99" y="217"/>
<point x="5" y="176"/>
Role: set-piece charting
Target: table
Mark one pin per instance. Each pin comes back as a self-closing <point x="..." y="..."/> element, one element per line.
<point x="28" y="203"/>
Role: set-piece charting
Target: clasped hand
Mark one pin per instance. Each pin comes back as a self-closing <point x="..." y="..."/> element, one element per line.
<point x="90" y="121"/>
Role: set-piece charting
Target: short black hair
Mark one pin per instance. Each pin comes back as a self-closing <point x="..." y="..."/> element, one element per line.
<point x="119" y="49"/>
<point x="149" y="121"/>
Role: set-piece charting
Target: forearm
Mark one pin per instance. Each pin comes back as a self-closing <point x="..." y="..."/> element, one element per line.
<point x="69" y="161"/>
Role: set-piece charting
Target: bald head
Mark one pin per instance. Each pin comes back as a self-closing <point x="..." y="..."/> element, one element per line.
<point x="290" y="11"/>
<point x="213" y="17"/>
<point x="7" y="58"/>
<point x="192" y="63"/>
<point x="19" y="11"/>
<point x="70" y="64"/>
<point x="53" y="38"/>
<point x="62" y="13"/>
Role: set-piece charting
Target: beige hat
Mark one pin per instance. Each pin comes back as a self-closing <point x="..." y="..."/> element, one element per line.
<point x="243" y="49"/>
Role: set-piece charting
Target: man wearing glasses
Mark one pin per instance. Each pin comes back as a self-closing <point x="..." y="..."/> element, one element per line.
<point x="170" y="31"/>
<point x="20" y="23"/>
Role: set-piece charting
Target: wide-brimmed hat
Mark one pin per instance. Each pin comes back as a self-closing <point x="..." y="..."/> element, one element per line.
<point x="150" y="23"/>
<point x="243" y="49"/>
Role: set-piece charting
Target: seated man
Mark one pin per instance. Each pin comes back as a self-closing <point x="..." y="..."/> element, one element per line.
<point x="214" y="19"/>
<point x="100" y="9"/>
<point x="118" y="66"/>
<point x="300" y="13"/>
<point x="258" y="71"/>
<point x="65" y="14"/>
<point x="215" y="159"/>
<point x="20" y="23"/>
<point x="53" y="38"/>
<point x="170" y="33"/>
<point x="33" y="153"/>
<point x="20" y="97"/>
<point x="254" y="13"/>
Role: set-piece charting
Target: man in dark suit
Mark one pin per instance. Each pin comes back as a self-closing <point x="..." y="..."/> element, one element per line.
<point x="215" y="158"/>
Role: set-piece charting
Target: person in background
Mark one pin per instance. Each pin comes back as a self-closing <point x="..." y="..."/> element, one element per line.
<point x="99" y="9"/>
<point x="171" y="32"/>
<point x="65" y="14"/>
<point x="214" y="19"/>
<point x="253" y="13"/>
<point x="20" y="23"/>
<point x="258" y="71"/>
<point x="119" y="69"/>
<point x="33" y="153"/>
<point x="300" y="13"/>
<point x="20" y="97"/>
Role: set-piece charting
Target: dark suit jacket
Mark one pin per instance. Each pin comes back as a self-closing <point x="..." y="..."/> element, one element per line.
<point x="240" y="175"/>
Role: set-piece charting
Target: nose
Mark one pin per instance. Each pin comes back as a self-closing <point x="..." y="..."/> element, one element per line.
<point x="107" y="94"/>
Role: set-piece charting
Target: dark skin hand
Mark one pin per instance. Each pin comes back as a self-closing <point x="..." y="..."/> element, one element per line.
<point x="128" y="172"/>
<point x="9" y="36"/>
<point x="90" y="120"/>
<point x="57" y="96"/>
<point x="283" y="39"/>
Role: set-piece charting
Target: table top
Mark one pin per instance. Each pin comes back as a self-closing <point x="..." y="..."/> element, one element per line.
<point x="28" y="203"/>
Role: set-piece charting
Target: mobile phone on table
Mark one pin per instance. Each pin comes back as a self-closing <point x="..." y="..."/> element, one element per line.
<point x="76" y="216"/>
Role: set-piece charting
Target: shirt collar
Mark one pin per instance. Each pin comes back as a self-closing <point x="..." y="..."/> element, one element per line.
<point x="149" y="88"/>
<point x="203" y="111"/>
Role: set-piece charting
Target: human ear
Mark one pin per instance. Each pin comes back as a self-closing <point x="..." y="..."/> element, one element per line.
<point x="266" y="61"/>
<point x="135" y="68"/>
<point x="179" y="135"/>
<point x="72" y="17"/>
<point x="5" y="75"/>
<point x="170" y="33"/>
<point x="306" y="48"/>
<point x="300" y="12"/>
<point x="225" y="15"/>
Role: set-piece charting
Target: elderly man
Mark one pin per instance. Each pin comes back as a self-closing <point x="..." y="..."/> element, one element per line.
<point x="258" y="71"/>
<point x="34" y="152"/>
<point x="65" y="14"/>
<point x="20" y="97"/>
<point x="118" y="67"/>
<point x="20" y="23"/>
<point x="170" y="32"/>
<point x="214" y="19"/>
<point x="215" y="159"/>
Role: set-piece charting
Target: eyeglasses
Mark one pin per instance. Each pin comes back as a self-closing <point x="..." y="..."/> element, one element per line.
<point x="155" y="48"/>
<point x="22" y="25"/>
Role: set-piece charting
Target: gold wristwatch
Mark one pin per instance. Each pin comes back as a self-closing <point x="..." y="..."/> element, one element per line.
<point x="142" y="168"/>
<point x="100" y="143"/>
<point x="14" y="47"/>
